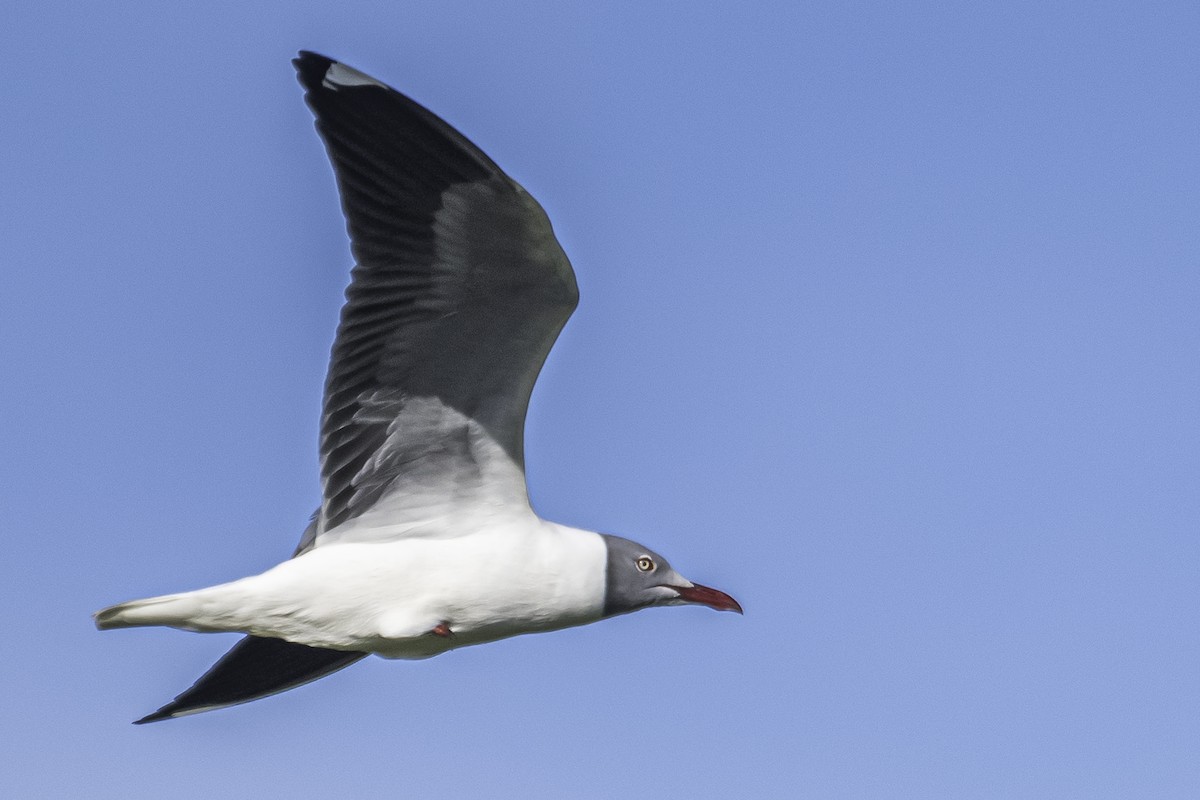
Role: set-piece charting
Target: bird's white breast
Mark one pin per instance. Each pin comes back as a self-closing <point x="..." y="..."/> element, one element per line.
<point x="387" y="597"/>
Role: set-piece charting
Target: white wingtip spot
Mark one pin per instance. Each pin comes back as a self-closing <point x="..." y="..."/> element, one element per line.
<point x="339" y="75"/>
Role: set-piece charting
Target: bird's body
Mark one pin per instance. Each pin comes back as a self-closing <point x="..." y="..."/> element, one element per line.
<point x="425" y="540"/>
<point x="522" y="576"/>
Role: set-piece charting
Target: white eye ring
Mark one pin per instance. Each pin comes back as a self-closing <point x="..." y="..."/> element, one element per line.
<point x="645" y="564"/>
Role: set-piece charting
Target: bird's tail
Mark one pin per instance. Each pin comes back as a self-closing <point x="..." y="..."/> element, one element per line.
<point x="174" y="610"/>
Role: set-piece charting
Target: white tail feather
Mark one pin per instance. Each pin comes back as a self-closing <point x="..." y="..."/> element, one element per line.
<point x="174" y="610"/>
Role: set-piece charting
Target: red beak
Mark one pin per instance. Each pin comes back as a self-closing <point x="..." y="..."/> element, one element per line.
<point x="716" y="600"/>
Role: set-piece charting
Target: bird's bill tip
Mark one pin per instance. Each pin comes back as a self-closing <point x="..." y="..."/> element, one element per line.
<point x="705" y="596"/>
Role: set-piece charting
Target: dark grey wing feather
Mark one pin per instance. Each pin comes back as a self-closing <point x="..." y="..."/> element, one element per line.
<point x="256" y="667"/>
<point x="308" y="539"/>
<point x="458" y="293"/>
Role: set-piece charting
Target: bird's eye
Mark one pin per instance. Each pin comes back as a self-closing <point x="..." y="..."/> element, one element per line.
<point x="645" y="564"/>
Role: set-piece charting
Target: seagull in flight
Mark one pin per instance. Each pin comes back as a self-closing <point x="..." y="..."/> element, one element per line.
<point x="425" y="540"/>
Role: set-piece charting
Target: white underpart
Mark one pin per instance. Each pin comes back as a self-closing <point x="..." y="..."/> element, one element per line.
<point x="341" y="75"/>
<point x="522" y="576"/>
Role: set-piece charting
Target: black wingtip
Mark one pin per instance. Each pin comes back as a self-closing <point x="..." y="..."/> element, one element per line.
<point x="255" y="667"/>
<point x="311" y="67"/>
<point x="157" y="716"/>
<point x="308" y="57"/>
<point x="181" y="707"/>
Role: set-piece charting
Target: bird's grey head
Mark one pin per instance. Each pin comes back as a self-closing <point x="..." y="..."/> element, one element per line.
<point x="637" y="577"/>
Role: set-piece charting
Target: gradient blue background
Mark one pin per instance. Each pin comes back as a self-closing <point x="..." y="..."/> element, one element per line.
<point x="889" y="328"/>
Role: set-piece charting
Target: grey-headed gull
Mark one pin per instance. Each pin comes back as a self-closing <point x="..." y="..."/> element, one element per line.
<point x="425" y="540"/>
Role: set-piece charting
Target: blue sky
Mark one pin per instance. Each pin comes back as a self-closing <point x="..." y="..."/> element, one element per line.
<point x="888" y="328"/>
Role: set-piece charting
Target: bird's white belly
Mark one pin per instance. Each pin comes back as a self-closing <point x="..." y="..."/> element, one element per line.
<point x="388" y="598"/>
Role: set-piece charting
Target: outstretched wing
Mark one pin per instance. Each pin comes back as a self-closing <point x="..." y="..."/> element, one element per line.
<point x="457" y="296"/>
<point x="255" y="667"/>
